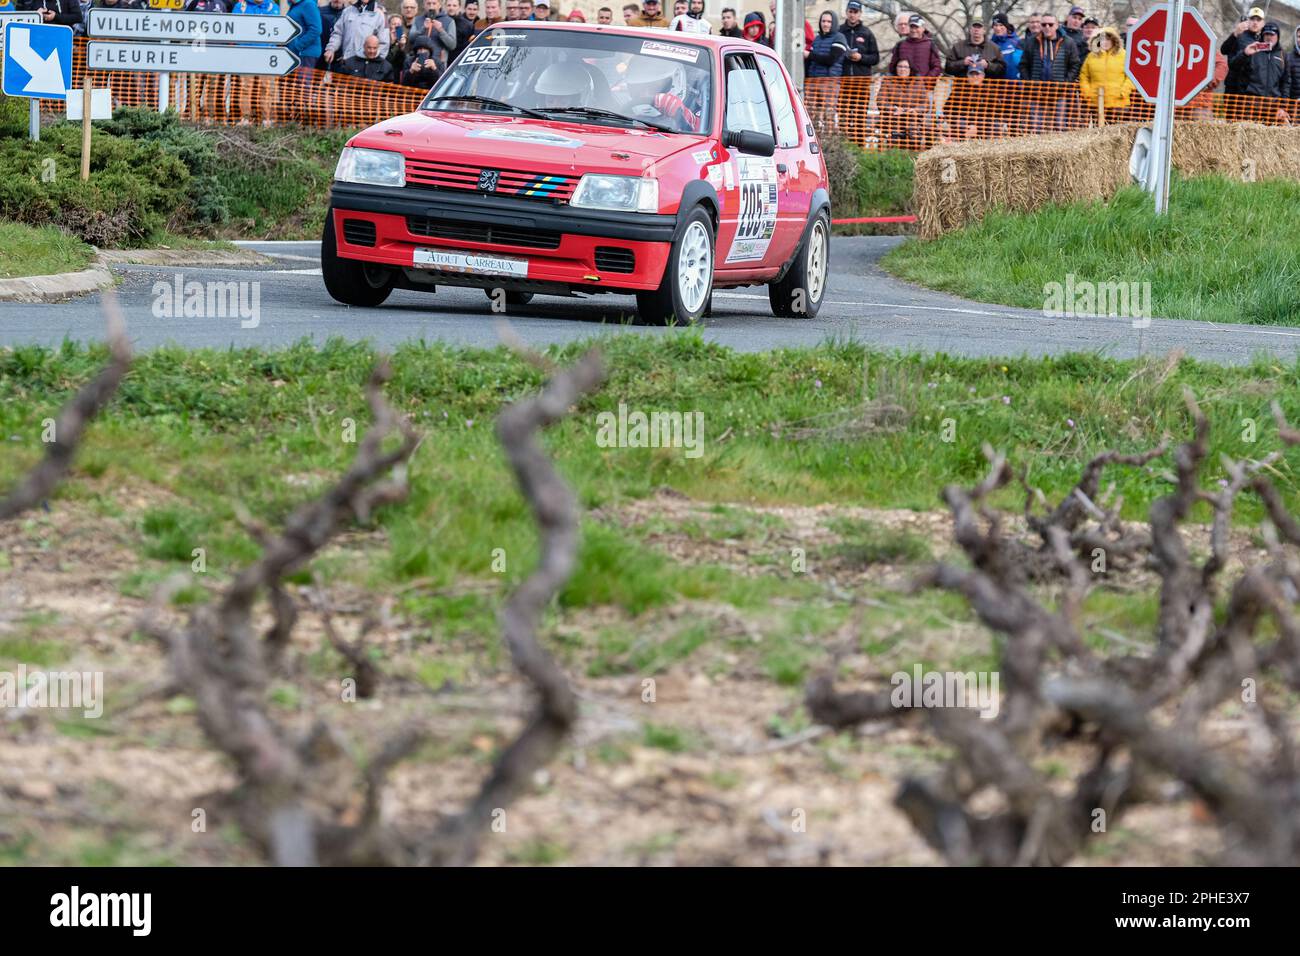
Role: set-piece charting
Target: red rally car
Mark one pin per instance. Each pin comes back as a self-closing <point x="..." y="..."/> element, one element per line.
<point x="573" y="159"/>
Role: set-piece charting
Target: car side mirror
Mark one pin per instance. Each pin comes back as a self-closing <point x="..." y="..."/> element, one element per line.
<point x="749" y="141"/>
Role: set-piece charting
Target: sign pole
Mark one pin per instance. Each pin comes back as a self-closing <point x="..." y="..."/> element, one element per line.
<point x="34" y="120"/>
<point x="1162" y="133"/>
<point x="86" y="89"/>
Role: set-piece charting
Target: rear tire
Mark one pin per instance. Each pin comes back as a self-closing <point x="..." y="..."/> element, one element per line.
<point x="347" y="280"/>
<point x="687" y="285"/>
<point x="801" y="290"/>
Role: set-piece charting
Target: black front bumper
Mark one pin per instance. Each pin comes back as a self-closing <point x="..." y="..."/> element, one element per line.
<point x="460" y="206"/>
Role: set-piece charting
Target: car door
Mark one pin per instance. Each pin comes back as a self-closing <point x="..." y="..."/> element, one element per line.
<point x="750" y="187"/>
<point x="795" y="179"/>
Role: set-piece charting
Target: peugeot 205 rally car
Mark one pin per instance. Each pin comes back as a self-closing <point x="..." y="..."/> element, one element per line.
<point x="575" y="159"/>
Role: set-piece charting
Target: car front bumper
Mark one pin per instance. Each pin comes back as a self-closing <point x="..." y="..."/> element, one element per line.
<point x="566" y="249"/>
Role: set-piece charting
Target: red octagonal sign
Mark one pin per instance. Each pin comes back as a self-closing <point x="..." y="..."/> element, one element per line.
<point x="1194" y="63"/>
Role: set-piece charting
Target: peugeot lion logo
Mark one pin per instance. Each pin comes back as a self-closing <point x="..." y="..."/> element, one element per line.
<point x="487" y="180"/>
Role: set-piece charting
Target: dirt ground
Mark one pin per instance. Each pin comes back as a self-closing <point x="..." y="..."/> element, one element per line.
<point x="719" y="769"/>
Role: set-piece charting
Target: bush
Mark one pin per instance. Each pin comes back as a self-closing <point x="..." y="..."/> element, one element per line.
<point x="13" y="116"/>
<point x="208" y="199"/>
<point x="136" y="189"/>
<point x="867" y="182"/>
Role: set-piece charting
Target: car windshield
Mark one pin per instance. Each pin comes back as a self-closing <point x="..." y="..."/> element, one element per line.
<point x="582" y="75"/>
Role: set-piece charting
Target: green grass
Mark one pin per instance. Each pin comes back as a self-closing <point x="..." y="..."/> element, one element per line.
<point x="39" y="251"/>
<point x="1219" y="255"/>
<point x="865" y="543"/>
<point x="204" y="433"/>
<point x="868" y="183"/>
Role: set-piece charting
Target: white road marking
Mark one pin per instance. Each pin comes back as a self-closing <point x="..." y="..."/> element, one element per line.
<point x="1113" y="319"/>
<point x="277" y="242"/>
<point x="294" y="272"/>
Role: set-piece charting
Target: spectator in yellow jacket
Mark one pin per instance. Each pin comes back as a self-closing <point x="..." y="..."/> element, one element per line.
<point x="1104" y="70"/>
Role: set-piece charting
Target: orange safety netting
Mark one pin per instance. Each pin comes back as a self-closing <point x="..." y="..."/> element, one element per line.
<point x="310" y="97"/>
<point x="880" y="112"/>
<point x="915" y="113"/>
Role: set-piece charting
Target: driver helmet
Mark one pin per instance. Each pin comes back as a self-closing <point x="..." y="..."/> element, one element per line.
<point x="563" y="84"/>
<point x="647" y="77"/>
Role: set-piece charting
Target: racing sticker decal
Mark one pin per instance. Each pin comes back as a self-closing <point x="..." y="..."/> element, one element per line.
<point x="756" y="220"/>
<point x="702" y="156"/>
<point x="687" y="54"/>
<point x="536" y="137"/>
<point x="484" y="55"/>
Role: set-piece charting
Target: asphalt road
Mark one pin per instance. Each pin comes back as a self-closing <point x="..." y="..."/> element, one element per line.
<point x="862" y="304"/>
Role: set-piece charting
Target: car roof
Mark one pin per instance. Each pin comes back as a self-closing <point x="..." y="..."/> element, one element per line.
<point x="699" y="39"/>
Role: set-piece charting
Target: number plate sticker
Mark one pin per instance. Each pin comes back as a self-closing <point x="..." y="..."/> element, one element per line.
<point x="756" y="218"/>
<point x="472" y="263"/>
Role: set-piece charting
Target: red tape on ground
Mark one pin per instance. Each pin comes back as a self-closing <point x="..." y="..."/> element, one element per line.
<point x="849" y="222"/>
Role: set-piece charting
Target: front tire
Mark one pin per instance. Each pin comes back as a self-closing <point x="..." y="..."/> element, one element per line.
<point x="801" y="290"/>
<point x="347" y="280"/>
<point x="687" y="285"/>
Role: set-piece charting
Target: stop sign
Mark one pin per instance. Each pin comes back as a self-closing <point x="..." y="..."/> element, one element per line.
<point x="1194" y="62"/>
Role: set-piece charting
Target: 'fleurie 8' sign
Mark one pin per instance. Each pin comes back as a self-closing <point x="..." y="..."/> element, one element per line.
<point x="1194" y="62"/>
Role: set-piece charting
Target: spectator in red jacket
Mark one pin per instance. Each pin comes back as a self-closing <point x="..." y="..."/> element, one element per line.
<point x="918" y="49"/>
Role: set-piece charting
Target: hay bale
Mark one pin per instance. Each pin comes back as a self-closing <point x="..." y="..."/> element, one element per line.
<point x="957" y="184"/>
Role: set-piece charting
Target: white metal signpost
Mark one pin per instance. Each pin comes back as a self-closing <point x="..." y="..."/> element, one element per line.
<point x="1169" y="72"/>
<point x="162" y="42"/>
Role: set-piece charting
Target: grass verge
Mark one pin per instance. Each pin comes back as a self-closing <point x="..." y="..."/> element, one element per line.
<point x="269" y="426"/>
<point x="1217" y="256"/>
<point x="39" y="251"/>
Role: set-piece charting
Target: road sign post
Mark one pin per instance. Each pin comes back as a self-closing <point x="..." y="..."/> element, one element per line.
<point x="1170" y="59"/>
<point x="37" y="64"/>
<point x="87" y="110"/>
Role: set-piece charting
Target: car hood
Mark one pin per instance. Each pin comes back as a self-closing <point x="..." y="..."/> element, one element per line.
<point x="520" y="142"/>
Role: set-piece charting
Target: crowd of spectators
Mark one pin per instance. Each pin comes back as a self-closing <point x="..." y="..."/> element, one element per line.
<point x="1076" y="65"/>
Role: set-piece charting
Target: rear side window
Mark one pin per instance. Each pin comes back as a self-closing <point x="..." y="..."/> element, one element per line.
<point x="778" y="94"/>
<point x="746" y="101"/>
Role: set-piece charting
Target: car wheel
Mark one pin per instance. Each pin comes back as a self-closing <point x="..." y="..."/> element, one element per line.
<point x="801" y="290"/>
<point x="349" y="281"/>
<point x="513" y="299"/>
<point x="687" y="284"/>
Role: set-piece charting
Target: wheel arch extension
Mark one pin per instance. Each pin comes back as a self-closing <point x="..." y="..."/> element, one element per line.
<point x="821" y="203"/>
<point x="700" y="192"/>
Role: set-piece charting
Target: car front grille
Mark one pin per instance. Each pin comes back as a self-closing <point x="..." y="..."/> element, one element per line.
<point x="516" y="183"/>
<point x="483" y="232"/>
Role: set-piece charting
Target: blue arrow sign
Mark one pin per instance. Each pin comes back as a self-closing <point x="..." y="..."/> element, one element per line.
<point x="37" y="60"/>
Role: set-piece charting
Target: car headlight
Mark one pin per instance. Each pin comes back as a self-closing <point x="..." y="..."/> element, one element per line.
<point x="619" y="193"/>
<point x="377" y="167"/>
